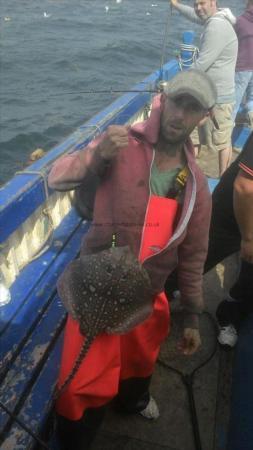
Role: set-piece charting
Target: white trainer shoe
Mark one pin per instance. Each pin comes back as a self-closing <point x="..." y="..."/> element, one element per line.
<point x="151" y="411"/>
<point x="228" y="336"/>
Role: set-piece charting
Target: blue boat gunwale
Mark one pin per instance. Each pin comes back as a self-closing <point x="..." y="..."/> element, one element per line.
<point x="38" y="312"/>
<point x="26" y="192"/>
<point x="32" y="281"/>
<point x="42" y="389"/>
<point x="26" y="367"/>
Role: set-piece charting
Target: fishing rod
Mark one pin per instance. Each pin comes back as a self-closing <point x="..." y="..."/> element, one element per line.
<point x="165" y="36"/>
<point x="112" y="91"/>
<point x="155" y="90"/>
<point x="166" y="33"/>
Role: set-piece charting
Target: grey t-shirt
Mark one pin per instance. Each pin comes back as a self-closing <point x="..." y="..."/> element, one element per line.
<point x="162" y="182"/>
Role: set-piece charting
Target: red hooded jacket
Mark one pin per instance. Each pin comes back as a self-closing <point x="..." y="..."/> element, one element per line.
<point x="121" y="203"/>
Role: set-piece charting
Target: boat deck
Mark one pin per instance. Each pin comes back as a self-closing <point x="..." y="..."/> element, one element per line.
<point x="173" y="430"/>
<point x="211" y="387"/>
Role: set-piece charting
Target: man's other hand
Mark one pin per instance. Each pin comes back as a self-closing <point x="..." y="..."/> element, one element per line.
<point x="174" y="2"/>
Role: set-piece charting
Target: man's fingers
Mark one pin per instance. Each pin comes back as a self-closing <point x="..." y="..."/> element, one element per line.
<point x="115" y="139"/>
<point x="188" y="348"/>
<point x="191" y="348"/>
<point x="117" y="130"/>
<point x="190" y="342"/>
<point x="121" y="141"/>
<point x="117" y="135"/>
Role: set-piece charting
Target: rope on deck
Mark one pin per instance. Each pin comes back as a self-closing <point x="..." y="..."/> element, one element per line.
<point x="193" y="54"/>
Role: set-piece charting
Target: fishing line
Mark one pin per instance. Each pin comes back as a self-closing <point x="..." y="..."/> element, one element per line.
<point x="111" y="91"/>
<point x="102" y="91"/>
<point x="188" y="380"/>
<point x="164" y="44"/>
<point x="25" y="427"/>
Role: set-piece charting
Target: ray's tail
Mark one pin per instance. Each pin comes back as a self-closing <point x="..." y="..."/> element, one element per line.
<point x="83" y="352"/>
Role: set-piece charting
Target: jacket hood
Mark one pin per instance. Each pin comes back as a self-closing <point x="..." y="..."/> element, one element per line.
<point x="149" y="129"/>
<point x="225" y="13"/>
<point x="249" y="14"/>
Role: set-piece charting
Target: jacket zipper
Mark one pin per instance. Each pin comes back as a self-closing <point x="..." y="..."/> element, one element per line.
<point x="149" y="183"/>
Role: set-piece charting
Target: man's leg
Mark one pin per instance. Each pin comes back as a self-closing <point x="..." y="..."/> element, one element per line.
<point x="221" y="138"/>
<point x="224" y="240"/>
<point x="249" y="100"/>
<point x="241" y="83"/>
<point x="243" y="288"/>
<point x="79" y="434"/>
<point x="139" y="352"/>
<point x="134" y="394"/>
<point x="232" y="311"/>
<point x="224" y="234"/>
<point x="80" y="407"/>
<point x="225" y="159"/>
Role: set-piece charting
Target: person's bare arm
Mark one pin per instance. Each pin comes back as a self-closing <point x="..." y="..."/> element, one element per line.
<point x="174" y="3"/>
<point x="186" y="10"/>
<point x="243" y="210"/>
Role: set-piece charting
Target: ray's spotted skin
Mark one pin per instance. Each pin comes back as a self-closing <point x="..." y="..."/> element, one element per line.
<point x="106" y="292"/>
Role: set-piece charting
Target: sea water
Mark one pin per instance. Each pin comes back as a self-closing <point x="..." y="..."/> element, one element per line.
<point x="52" y="50"/>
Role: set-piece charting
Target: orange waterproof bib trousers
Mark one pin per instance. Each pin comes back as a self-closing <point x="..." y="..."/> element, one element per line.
<point x="113" y="358"/>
